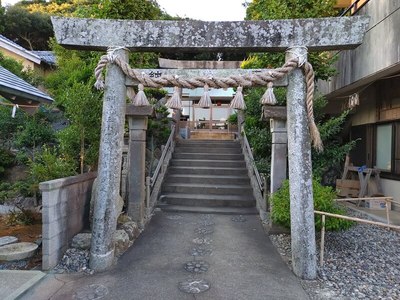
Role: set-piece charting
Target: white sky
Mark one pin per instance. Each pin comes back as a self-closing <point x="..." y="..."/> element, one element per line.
<point x="206" y="10"/>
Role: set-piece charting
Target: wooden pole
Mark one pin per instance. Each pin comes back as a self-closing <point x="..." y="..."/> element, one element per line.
<point x="357" y="220"/>
<point x="321" y="254"/>
<point x="387" y="212"/>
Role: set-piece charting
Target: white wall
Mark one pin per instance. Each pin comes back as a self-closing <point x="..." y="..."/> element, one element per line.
<point x="391" y="188"/>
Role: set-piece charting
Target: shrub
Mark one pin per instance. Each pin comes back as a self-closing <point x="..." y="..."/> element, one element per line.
<point x="233" y="119"/>
<point x="9" y="191"/>
<point x="6" y="160"/>
<point x="20" y="217"/>
<point x="48" y="165"/>
<point x="323" y="201"/>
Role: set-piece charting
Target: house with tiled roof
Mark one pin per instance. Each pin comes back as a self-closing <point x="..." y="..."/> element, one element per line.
<point x="39" y="61"/>
<point x="16" y="91"/>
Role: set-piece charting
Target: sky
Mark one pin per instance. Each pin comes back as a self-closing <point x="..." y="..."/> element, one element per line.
<point x="206" y="10"/>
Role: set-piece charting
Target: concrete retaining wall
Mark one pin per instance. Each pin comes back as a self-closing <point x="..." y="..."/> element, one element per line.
<point x="65" y="212"/>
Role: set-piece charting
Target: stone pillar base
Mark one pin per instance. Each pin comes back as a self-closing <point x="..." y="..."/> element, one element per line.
<point x="101" y="262"/>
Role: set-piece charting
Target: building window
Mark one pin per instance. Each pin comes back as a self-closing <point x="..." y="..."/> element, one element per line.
<point x="377" y="146"/>
<point x="384" y="146"/>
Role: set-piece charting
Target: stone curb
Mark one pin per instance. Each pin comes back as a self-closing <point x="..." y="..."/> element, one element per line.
<point x="37" y="276"/>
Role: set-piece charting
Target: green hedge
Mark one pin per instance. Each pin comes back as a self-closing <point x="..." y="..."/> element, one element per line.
<point x="323" y="201"/>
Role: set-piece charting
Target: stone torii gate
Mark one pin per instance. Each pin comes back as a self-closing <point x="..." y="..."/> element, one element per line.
<point x="198" y="36"/>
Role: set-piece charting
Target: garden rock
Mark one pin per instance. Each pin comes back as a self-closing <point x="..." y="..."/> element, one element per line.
<point x="131" y="229"/>
<point x="81" y="241"/>
<point x="122" y="242"/>
<point x="26" y="202"/>
<point x="6" y="209"/>
<point x="123" y="218"/>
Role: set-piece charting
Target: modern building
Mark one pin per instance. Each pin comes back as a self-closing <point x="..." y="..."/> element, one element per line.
<point x="368" y="80"/>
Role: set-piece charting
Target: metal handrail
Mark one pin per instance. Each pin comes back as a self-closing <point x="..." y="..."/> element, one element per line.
<point x="162" y="158"/>
<point x="247" y="148"/>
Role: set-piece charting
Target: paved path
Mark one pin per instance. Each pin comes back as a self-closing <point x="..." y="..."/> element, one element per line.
<point x="241" y="263"/>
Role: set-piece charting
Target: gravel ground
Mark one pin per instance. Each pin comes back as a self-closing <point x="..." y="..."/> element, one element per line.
<point x="360" y="263"/>
<point x="74" y="260"/>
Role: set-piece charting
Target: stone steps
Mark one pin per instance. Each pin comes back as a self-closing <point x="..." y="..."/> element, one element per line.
<point x="222" y="189"/>
<point x="203" y="144"/>
<point x="208" y="176"/>
<point x="209" y="200"/>
<point x="209" y="210"/>
<point x="208" y="163"/>
<point x="207" y="170"/>
<point x="214" y="149"/>
<point x="208" y="156"/>
<point x="208" y="179"/>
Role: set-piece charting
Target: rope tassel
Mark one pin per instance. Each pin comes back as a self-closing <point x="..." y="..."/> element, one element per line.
<point x="14" y="110"/>
<point x="269" y="97"/>
<point x="205" y="100"/>
<point x="140" y="98"/>
<point x="238" y="101"/>
<point x="175" y="101"/>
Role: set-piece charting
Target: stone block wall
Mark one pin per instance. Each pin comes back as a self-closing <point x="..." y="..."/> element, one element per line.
<point x="65" y="213"/>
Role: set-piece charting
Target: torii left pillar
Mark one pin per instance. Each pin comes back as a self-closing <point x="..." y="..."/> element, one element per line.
<point x="109" y="170"/>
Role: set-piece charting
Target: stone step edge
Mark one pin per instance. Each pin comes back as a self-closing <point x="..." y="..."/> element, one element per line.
<point x="201" y="185"/>
<point x="208" y="210"/>
<point x="233" y="197"/>
<point x="208" y="168"/>
<point x="207" y="176"/>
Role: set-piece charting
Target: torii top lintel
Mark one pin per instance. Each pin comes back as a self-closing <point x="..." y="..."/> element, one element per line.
<point x="194" y="36"/>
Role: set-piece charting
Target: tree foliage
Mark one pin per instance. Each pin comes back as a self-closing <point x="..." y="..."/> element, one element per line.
<point x="258" y="131"/>
<point x="72" y="83"/>
<point x="30" y="30"/>
<point x="291" y="9"/>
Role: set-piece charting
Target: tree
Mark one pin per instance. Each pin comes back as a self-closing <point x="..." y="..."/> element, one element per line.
<point x="30" y="30"/>
<point x="2" y="12"/>
<point x="291" y="9"/>
<point x="9" y="126"/>
<point x="35" y="133"/>
<point x="258" y="131"/>
<point x="72" y="83"/>
<point x="83" y="110"/>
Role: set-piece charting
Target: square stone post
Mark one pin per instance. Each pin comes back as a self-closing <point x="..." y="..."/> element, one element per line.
<point x="277" y="118"/>
<point x="137" y="119"/>
<point x="278" y="154"/>
<point x="109" y="170"/>
<point x="300" y="174"/>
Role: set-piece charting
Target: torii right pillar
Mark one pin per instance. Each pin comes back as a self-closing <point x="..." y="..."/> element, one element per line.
<point x="300" y="174"/>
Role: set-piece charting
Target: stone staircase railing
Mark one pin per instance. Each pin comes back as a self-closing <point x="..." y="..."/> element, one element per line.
<point x="153" y="183"/>
<point x="258" y="181"/>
